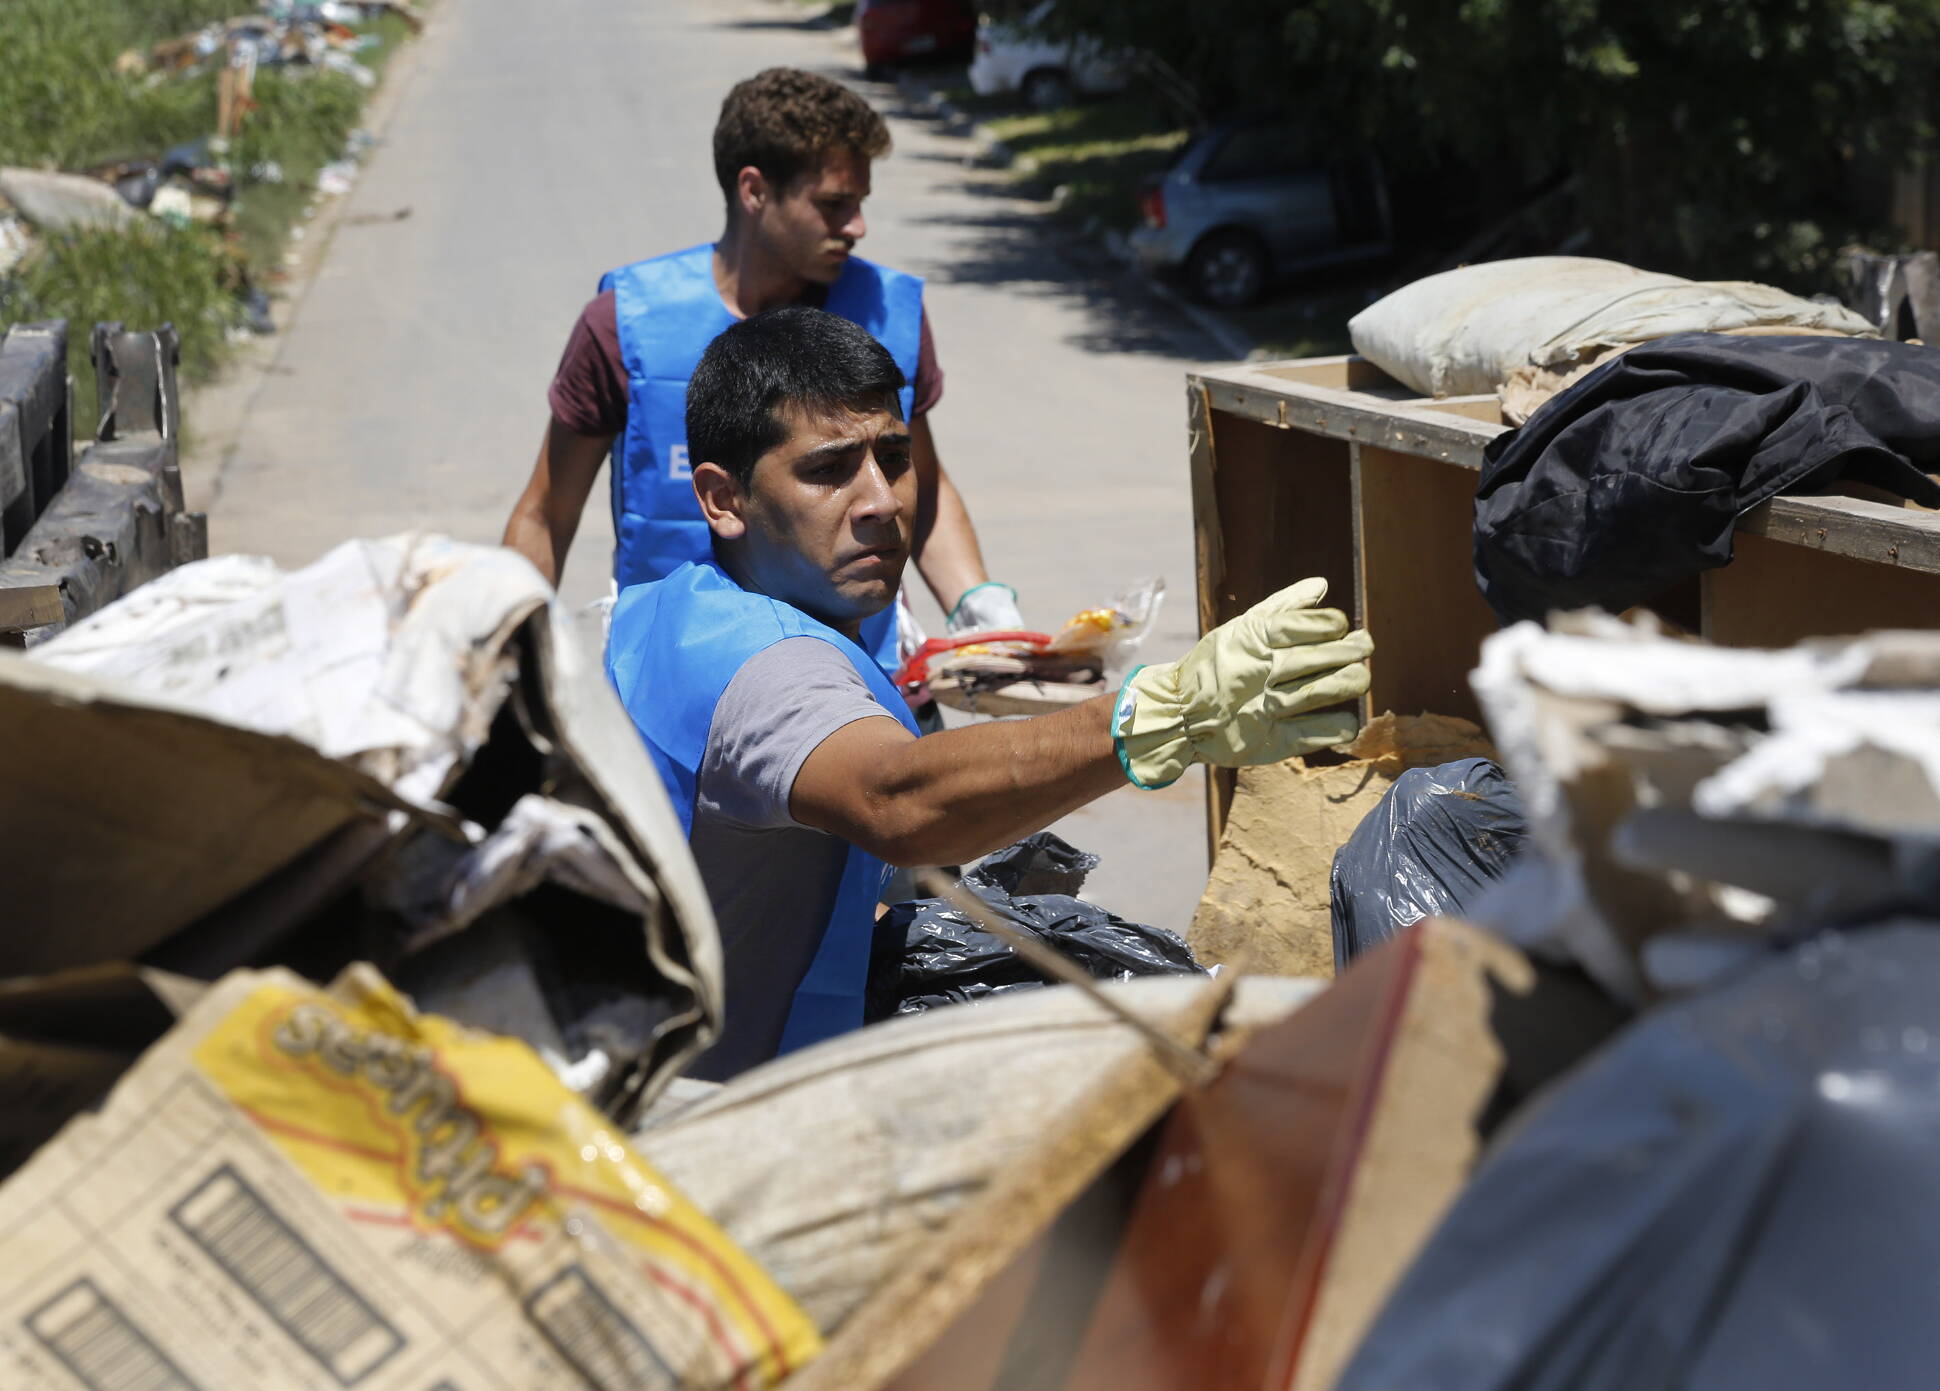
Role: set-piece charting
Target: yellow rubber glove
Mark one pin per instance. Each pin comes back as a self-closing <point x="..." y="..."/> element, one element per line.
<point x="1241" y="696"/>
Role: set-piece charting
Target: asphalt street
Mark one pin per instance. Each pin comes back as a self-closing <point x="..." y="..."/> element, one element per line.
<point x="536" y="146"/>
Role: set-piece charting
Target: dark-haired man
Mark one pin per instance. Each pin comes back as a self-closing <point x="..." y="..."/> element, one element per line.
<point x="792" y="153"/>
<point x="790" y="756"/>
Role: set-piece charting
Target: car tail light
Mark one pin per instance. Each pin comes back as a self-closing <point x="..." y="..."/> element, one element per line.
<point x="1151" y="206"/>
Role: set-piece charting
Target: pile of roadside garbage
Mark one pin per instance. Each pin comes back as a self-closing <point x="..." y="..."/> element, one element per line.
<point x="357" y="955"/>
<point x="196" y="182"/>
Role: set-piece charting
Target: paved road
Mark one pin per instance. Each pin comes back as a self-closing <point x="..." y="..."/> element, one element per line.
<point x="537" y="145"/>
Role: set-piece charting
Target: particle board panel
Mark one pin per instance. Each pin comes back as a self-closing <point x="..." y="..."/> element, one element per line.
<point x="1890" y="534"/>
<point x="1774" y="594"/>
<point x="1270" y="506"/>
<point x="1416" y="580"/>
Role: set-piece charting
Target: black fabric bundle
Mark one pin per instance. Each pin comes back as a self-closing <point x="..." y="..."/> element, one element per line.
<point x="1633" y="479"/>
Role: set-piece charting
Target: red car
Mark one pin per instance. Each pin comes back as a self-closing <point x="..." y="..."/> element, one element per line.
<point x="897" y="31"/>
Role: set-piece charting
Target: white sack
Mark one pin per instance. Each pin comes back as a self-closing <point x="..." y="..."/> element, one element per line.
<point x="57" y="202"/>
<point x="1463" y="332"/>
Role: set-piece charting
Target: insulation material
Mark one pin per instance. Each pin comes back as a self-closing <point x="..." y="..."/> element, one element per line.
<point x="1464" y="332"/>
<point x="1268" y="905"/>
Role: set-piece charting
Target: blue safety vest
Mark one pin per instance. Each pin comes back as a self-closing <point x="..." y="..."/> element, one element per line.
<point x="675" y="645"/>
<point x="668" y="310"/>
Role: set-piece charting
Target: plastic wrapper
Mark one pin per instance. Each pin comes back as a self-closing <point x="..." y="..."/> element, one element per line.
<point x="1113" y="632"/>
<point x="1736" y="1192"/>
<point x="1436" y="841"/>
<point x="929" y="954"/>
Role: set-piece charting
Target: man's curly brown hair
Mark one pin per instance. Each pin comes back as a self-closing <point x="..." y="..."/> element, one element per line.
<point x="785" y="121"/>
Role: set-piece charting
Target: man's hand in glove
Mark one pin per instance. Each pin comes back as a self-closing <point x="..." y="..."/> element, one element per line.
<point x="1250" y="692"/>
<point x="989" y="607"/>
<point x="1243" y="695"/>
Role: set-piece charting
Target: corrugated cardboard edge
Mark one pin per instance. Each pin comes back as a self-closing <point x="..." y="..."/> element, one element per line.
<point x="1418" y="1142"/>
<point x="914" y="1308"/>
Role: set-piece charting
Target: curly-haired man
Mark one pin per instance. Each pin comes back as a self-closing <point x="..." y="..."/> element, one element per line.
<point x="792" y="153"/>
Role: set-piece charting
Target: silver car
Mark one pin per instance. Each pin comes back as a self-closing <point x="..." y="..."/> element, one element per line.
<point x="1246" y="202"/>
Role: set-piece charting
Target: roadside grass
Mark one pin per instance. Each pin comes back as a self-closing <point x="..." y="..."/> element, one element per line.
<point x="1301" y="320"/>
<point x="1098" y="151"/>
<point x="62" y="105"/>
<point x="146" y="275"/>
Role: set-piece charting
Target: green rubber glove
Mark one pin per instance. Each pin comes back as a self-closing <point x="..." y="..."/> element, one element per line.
<point x="1242" y="695"/>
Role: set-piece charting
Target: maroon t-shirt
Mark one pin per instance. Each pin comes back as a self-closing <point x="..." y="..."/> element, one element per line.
<point x="589" y="391"/>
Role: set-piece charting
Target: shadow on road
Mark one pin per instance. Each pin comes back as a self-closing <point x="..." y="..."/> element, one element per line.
<point x="1024" y="252"/>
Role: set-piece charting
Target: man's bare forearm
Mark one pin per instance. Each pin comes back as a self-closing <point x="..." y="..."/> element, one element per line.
<point x="959" y="793"/>
<point x="947" y="552"/>
<point x="546" y="516"/>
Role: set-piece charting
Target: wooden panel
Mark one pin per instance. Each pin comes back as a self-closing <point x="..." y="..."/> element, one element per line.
<point x="1773" y="594"/>
<point x="1487" y="409"/>
<point x="1348" y="415"/>
<point x="1886" y="533"/>
<point x="1417" y="582"/>
<point x="1345" y="373"/>
<point x="1270" y="507"/>
<point x="1284" y="503"/>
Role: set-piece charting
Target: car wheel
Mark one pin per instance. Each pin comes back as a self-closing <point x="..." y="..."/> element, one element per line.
<point x="1046" y="89"/>
<point x="1228" y="269"/>
<point x="878" y="72"/>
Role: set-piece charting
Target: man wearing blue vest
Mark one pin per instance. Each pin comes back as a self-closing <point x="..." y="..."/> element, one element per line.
<point x="792" y="153"/>
<point x="791" y="758"/>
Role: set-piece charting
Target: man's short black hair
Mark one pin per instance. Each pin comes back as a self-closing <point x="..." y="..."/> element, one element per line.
<point x="793" y="356"/>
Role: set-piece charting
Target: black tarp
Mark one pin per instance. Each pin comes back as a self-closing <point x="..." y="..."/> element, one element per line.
<point x="1633" y="479"/>
<point x="1736" y="1192"/>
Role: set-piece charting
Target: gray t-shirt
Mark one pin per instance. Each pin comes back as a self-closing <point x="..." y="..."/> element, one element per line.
<point x="772" y="880"/>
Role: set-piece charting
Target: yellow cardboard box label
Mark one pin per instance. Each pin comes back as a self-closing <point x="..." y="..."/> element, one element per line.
<point x="412" y="1118"/>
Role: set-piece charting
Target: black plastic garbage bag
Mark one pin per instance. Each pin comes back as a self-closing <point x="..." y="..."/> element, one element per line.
<point x="929" y="954"/>
<point x="1039" y="864"/>
<point x="1430" y="847"/>
<point x="1737" y="1192"/>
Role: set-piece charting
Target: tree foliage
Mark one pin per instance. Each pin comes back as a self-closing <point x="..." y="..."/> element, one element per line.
<point x="1731" y="137"/>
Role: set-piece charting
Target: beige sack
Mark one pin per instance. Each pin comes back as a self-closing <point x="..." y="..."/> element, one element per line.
<point x="833" y="1165"/>
<point x="1463" y="332"/>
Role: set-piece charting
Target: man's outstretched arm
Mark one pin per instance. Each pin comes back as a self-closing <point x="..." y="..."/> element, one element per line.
<point x="947" y="553"/>
<point x="959" y="793"/>
<point x="1244" y="695"/>
<point x="547" y="513"/>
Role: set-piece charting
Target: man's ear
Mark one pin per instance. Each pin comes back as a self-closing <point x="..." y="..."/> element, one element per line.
<point x="723" y="506"/>
<point x="751" y="191"/>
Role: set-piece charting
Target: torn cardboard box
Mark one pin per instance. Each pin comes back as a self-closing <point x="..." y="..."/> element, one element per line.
<point x="1267" y="905"/>
<point x="361" y="759"/>
<point x="300" y="1187"/>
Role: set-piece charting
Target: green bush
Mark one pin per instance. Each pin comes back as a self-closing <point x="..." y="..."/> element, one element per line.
<point x="1737" y="138"/>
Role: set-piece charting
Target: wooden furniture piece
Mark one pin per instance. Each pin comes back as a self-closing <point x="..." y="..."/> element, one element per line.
<point x="1328" y="466"/>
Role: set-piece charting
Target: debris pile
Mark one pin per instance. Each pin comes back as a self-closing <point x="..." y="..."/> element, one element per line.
<point x="197" y="182"/>
<point x="1703" y="939"/>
